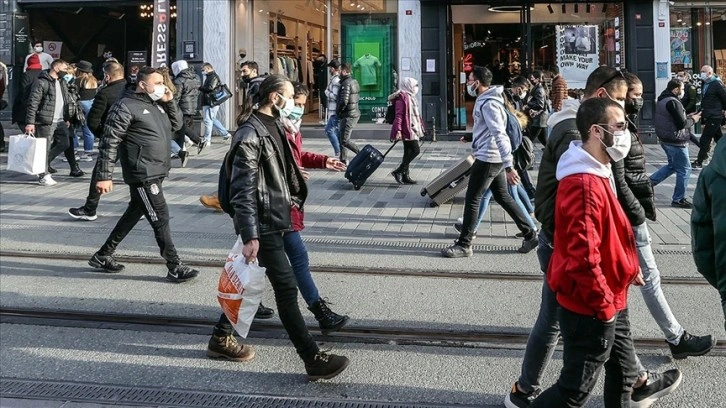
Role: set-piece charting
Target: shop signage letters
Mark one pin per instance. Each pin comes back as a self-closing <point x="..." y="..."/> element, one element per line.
<point x="160" y="43"/>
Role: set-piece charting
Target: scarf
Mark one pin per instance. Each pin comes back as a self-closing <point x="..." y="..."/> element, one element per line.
<point x="292" y="126"/>
<point x="408" y="86"/>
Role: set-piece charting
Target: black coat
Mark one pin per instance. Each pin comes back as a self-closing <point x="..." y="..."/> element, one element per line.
<point x="41" y="100"/>
<point x="635" y="191"/>
<point x="210" y="84"/>
<point x="546" y="193"/>
<point x="348" y="97"/>
<point x="713" y="102"/>
<point x="538" y="103"/>
<point x="105" y="98"/>
<point x="187" y="91"/>
<point x="138" y="132"/>
<point x="260" y="191"/>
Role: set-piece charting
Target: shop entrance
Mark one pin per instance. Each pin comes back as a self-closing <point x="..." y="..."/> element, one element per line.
<point x="514" y="40"/>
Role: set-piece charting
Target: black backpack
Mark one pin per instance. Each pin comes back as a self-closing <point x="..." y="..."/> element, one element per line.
<point x="390" y="114"/>
<point x="225" y="181"/>
<point x="524" y="155"/>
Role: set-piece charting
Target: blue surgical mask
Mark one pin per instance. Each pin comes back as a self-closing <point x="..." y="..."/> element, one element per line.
<point x="296" y="113"/>
<point x="68" y="77"/>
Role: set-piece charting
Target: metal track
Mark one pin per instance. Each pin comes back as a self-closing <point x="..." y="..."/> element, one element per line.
<point x="488" y="275"/>
<point x="263" y="329"/>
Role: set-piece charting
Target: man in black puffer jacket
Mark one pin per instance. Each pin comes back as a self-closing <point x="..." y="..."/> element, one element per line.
<point x="347" y="110"/>
<point x="105" y="97"/>
<point x="138" y="133"/>
<point x="713" y="110"/>
<point x="635" y="194"/>
<point x="47" y="115"/>
<point x="187" y="85"/>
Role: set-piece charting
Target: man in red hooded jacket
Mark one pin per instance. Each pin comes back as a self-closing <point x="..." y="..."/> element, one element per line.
<point x="593" y="268"/>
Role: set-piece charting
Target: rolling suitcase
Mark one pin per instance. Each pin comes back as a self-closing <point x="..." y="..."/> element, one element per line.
<point x="365" y="163"/>
<point x="449" y="183"/>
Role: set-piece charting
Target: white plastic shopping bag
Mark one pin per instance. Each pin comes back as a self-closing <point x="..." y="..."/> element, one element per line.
<point x="240" y="289"/>
<point x="26" y="154"/>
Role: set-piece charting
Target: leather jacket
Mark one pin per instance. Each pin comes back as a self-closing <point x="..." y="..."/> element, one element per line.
<point x="538" y="103"/>
<point x="261" y="191"/>
<point x="348" y="96"/>
<point x="210" y="84"/>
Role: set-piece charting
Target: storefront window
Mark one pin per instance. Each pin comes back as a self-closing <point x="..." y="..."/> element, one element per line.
<point x="694" y="41"/>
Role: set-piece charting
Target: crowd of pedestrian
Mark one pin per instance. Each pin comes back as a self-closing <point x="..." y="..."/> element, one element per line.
<point x="592" y="200"/>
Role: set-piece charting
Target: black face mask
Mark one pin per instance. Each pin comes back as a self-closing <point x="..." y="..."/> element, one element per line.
<point x="242" y="55"/>
<point x="633" y="106"/>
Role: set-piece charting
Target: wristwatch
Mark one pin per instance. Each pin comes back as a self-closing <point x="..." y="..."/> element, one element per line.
<point x="509" y="169"/>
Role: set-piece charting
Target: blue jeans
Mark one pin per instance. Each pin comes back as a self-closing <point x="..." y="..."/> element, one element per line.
<point x="652" y="291"/>
<point x="88" y="136"/>
<point x="211" y="121"/>
<point x="331" y="130"/>
<point x="520" y="197"/>
<point x="543" y="337"/>
<point x="485" y="199"/>
<point x="677" y="163"/>
<point x="514" y="192"/>
<point x="298" y="256"/>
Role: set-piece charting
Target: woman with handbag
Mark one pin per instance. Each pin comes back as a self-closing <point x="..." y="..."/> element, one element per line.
<point x="407" y="126"/>
<point x="209" y="108"/>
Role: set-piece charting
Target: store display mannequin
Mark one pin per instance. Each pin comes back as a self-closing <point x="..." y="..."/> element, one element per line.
<point x="368" y="65"/>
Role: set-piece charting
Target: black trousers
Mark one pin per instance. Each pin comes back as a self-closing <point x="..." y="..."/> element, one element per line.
<point x="484" y="176"/>
<point x="411" y="150"/>
<point x="538" y="133"/>
<point x="272" y="256"/>
<point x="93" y="195"/>
<point x="187" y="130"/>
<point x="711" y="132"/>
<point x="345" y="129"/>
<point x="589" y="345"/>
<point x="147" y="199"/>
<point x="70" y="151"/>
<point x="56" y="135"/>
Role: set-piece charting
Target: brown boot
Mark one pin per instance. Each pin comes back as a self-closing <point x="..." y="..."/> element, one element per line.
<point x="211" y="201"/>
<point x="227" y="347"/>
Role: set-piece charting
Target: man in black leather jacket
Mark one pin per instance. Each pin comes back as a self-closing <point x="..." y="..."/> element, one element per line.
<point x="138" y="133"/>
<point x="537" y="108"/>
<point x="187" y="86"/>
<point x="347" y="110"/>
<point x="265" y="183"/>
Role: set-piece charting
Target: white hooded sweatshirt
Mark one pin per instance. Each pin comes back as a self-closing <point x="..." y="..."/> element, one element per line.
<point x="578" y="161"/>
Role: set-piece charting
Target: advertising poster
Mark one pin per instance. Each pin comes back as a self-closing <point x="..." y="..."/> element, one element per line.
<point x="577" y="53"/>
<point x="681" y="47"/>
<point x="160" y="39"/>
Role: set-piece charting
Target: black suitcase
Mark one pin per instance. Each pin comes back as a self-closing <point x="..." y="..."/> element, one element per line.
<point x="365" y="163"/>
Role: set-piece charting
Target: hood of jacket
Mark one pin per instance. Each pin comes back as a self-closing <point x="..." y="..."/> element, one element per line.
<point x="577" y="161"/>
<point x="568" y="111"/>
<point x="392" y="97"/>
<point x="666" y="94"/>
<point x="178" y="66"/>
<point x="188" y="73"/>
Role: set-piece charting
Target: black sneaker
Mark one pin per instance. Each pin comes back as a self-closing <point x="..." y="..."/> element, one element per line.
<point x="457" y="251"/>
<point x="529" y="244"/>
<point x="201" y="146"/>
<point x="325" y="366"/>
<point x="106" y="262"/>
<point x="184" y="157"/>
<point x="80" y="213"/>
<point x="459" y="226"/>
<point x="181" y="273"/>
<point x="518" y="399"/>
<point x="656" y="387"/>
<point x="264" y="312"/>
<point x="692" y="346"/>
<point x="696" y="165"/>
<point x="682" y="203"/>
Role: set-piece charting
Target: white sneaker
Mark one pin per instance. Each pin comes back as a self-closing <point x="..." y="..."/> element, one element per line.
<point x="47" y="180"/>
<point x="85" y="158"/>
<point x="65" y="160"/>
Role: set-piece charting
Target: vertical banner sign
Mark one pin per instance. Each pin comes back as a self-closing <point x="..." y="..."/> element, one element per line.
<point x="681" y="47"/>
<point x="160" y="40"/>
<point x="21" y="38"/>
<point x="577" y="53"/>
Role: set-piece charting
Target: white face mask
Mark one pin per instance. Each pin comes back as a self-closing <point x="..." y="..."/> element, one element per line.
<point x="471" y="89"/>
<point x="704" y="76"/>
<point x="621" y="103"/>
<point x="621" y="144"/>
<point x="681" y="94"/>
<point x="159" y="91"/>
<point x="38" y="49"/>
<point x="287" y="108"/>
<point x="523" y="95"/>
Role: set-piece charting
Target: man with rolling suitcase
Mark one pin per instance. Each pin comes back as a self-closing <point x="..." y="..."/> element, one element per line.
<point x="346" y="109"/>
<point x="493" y="167"/>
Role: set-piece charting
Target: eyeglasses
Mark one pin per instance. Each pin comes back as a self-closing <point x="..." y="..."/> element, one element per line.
<point x="616" y="125"/>
<point x="617" y="74"/>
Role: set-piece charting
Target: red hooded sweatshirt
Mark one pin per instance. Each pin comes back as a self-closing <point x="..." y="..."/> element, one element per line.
<point x="594" y="259"/>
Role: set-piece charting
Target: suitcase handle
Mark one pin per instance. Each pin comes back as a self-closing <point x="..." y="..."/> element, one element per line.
<point x="389" y="149"/>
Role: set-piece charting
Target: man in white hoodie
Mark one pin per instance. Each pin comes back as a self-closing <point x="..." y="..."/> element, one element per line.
<point x="493" y="167"/>
<point x="604" y="82"/>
